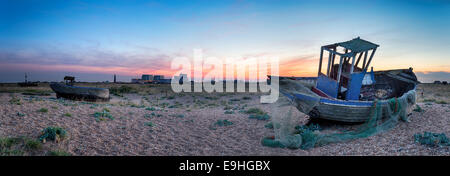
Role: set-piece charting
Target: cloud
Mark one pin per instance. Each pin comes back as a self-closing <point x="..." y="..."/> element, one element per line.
<point x="137" y="58"/>
<point x="304" y="65"/>
<point x="135" y="61"/>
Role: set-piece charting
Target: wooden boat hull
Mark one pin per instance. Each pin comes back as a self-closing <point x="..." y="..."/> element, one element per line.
<point x="354" y="110"/>
<point x="341" y="110"/>
<point x="80" y="93"/>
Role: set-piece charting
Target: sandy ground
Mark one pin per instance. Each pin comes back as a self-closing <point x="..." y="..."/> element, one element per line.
<point x="188" y="128"/>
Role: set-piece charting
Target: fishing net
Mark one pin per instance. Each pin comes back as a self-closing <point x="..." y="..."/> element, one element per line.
<point x="384" y="115"/>
<point x="284" y="125"/>
<point x="291" y="88"/>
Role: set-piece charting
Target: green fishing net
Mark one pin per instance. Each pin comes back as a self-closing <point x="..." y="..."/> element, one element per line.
<point x="385" y="114"/>
<point x="291" y="87"/>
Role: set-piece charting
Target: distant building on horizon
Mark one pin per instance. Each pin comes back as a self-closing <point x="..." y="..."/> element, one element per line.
<point x="164" y="81"/>
<point x="137" y="81"/>
<point x="158" y="77"/>
<point x="147" y="77"/>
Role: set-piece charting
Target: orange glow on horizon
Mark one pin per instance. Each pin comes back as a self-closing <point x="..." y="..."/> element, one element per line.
<point x="306" y="67"/>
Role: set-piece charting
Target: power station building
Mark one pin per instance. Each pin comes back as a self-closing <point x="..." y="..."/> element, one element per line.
<point x="147" y="77"/>
<point x="158" y="77"/>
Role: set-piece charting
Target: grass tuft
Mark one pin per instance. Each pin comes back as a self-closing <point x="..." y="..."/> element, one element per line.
<point x="150" y="109"/>
<point x="101" y="116"/>
<point x="418" y="109"/>
<point x="150" y="124"/>
<point x="44" y="110"/>
<point x="18" y="146"/>
<point x="223" y="123"/>
<point x="177" y="115"/>
<point x="8" y="142"/>
<point x="269" y="125"/>
<point x="259" y="116"/>
<point x="256" y="111"/>
<point x="119" y="91"/>
<point x="429" y="100"/>
<point x="441" y="102"/>
<point x="246" y="98"/>
<point x="31" y="144"/>
<point x="15" y="100"/>
<point x="432" y="139"/>
<point x="53" y="133"/>
<point x="234" y="99"/>
<point x="229" y="112"/>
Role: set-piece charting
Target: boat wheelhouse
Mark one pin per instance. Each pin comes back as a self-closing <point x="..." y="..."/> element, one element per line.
<point x="343" y="76"/>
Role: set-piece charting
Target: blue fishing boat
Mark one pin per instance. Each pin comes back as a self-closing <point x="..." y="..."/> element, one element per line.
<point x="345" y="90"/>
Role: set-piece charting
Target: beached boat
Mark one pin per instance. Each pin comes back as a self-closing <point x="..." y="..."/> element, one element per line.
<point x="346" y="92"/>
<point x="79" y="93"/>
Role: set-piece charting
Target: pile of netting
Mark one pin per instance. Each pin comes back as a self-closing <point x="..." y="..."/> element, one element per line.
<point x="384" y="115"/>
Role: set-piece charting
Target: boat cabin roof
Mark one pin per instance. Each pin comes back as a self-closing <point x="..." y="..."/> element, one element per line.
<point x="354" y="46"/>
<point x="71" y="78"/>
<point x="358" y="45"/>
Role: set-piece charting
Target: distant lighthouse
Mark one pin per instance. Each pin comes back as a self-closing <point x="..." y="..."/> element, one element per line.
<point x="114" y="78"/>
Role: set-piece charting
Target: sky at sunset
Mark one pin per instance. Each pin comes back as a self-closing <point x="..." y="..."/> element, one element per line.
<point x="93" y="40"/>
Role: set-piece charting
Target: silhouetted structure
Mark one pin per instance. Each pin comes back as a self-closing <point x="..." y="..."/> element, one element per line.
<point x="69" y="80"/>
<point x="26" y="83"/>
<point x="147" y="77"/>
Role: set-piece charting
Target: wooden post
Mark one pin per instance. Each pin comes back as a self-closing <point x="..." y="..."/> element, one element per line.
<point x="329" y="63"/>
<point x="359" y="58"/>
<point x="371" y="56"/>
<point x="332" y="63"/>
<point x="320" y="62"/>
<point x="346" y="59"/>
<point x="340" y="70"/>
<point x="328" y="66"/>
<point x="364" y="61"/>
<point x="353" y="64"/>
